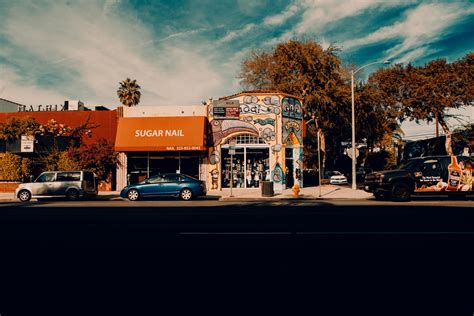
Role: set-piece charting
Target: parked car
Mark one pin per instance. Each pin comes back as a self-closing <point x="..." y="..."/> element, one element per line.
<point x="451" y="175"/>
<point x="337" y="178"/>
<point x="70" y="184"/>
<point x="165" y="185"/>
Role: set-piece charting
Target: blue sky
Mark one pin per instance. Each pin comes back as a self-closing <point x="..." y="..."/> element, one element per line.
<point x="183" y="52"/>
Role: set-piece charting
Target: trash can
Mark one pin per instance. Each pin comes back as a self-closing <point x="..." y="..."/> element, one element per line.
<point x="267" y="188"/>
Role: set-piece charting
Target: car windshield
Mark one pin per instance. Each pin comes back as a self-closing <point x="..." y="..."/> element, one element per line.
<point x="408" y="164"/>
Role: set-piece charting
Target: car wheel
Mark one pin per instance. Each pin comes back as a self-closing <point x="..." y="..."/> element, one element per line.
<point x="72" y="195"/>
<point x="133" y="195"/>
<point x="24" y="195"/>
<point x="400" y="192"/>
<point x="186" y="194"/>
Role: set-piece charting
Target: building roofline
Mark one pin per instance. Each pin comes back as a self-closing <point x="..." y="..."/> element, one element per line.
<point x="11" y="101"/>
<point x="254" y="92"/>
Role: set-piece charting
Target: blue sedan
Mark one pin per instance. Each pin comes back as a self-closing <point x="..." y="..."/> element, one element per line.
<point x="165" y="185"/>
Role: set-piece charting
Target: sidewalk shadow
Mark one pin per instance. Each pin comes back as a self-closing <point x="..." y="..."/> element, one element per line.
<point x="332" y="191"/>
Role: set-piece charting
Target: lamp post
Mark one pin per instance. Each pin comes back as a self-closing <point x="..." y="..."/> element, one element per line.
<point x="319" y="160"/>
<point x="353" y="72"/>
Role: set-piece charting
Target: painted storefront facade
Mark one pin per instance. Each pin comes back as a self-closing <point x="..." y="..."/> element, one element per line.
<point x="267" y="131"/>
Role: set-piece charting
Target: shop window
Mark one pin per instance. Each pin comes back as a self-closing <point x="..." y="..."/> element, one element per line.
<point x="156" y="179"/>
<point x="250" y="166"/>
<point x="171" y="178"/>
<point x="246" y="139"/>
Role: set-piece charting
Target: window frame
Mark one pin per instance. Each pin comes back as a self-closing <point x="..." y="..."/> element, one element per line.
<point x="44" y="174"/>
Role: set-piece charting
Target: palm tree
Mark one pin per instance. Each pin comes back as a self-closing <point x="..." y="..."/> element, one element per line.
<point x="129" y="92"/>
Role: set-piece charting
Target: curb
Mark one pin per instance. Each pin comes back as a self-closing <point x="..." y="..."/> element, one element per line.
<point x="266" y="199"/>
<point x="288" y="199"/>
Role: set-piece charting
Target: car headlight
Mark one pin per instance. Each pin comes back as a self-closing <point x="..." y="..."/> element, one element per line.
<point x="379" y="177"/>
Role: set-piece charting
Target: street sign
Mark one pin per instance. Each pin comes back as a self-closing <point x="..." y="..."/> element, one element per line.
<point x="226" y="109"/>
<point x="349" y="152"/>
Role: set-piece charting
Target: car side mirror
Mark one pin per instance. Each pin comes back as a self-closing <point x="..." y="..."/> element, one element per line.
<point x="32" y="178"/>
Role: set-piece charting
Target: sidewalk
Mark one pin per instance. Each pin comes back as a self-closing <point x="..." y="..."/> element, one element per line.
<point x="328" y="192"/>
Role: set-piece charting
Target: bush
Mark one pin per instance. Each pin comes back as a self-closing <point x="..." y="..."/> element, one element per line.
<point x="98" y="157"/>
<point x="14" y="128"/>
<point x="10" y="167"/>
<point x="66" y="162"/>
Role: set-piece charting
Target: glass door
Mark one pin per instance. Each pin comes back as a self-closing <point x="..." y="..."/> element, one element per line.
<point x="238" y="168"/>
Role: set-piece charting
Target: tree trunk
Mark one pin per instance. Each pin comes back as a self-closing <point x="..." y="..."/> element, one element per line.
<point x="447" y="144"/>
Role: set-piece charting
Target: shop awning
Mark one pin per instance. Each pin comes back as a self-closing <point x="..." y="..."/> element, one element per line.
<point x="161" y="133"/>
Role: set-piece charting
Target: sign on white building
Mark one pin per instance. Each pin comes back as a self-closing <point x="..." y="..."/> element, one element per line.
<point x="27" y="144"/>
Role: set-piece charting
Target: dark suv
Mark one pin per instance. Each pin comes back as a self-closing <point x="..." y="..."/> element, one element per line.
<point x="450" y="175"/>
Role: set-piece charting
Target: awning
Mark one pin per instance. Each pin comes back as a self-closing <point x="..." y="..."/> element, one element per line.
<point x="161" y="133"/>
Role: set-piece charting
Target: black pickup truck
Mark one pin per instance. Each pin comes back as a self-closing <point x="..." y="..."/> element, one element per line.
<point x="446" y="175"/>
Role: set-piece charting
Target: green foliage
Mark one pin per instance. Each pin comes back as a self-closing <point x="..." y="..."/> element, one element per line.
<point x="28" y="168"/>
<point x="66" y="162"/>
<point x="379" y="160"/>
<point x="129" y="92"/>
<point x="10" y="167"/>
<point x="99" y="157"/>
<point x="427" y="92"/>
<point x="306" y="70"/>
<point x="15" y="127"/>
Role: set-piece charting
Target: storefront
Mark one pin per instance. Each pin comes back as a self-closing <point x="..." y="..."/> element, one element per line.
<point x="264" y="131"/>
<point x="149" y="145"/>
<point x="251" y="162"/>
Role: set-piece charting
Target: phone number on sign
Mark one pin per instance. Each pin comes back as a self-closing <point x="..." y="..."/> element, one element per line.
<point x="183" y="148"/>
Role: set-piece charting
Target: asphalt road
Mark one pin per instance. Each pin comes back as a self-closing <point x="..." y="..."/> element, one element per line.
<point x="262" y="251"/>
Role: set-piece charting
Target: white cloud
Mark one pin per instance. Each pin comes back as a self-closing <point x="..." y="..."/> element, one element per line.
<point x="103" y="49"/>
<point x="422" y="25"/>
<point x="25" y="93"/>
<point x="317" y="14"/>
<point x="281" y="18"/>
<point x="238" y="33"/>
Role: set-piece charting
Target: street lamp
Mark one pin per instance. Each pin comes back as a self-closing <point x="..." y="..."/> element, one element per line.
<point x="313" y="118"/>
<point x="353" y="72"/>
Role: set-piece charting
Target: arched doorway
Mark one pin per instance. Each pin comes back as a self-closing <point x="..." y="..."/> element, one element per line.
<point x="251" y="162"/>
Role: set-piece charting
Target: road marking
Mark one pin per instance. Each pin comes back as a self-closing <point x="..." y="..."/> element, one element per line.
<point x="235" y="233"/>
<point x="325" y="233"/>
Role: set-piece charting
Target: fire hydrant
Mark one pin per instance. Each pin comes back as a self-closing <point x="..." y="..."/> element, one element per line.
<point x="296" y="190"/>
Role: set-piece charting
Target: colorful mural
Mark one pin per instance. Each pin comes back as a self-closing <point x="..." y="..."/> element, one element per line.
<point x="292" y="132"/>
<point x="223" y="128"/>
<point x="268" y="121"/>
<point x="250" y="105"/>
<point x="276" y="118"/>
<point x="292" y="108"/>
<point x="278" y="176"/>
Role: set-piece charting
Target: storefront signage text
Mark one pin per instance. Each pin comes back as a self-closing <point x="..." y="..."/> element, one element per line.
<point x="41" y="108"/>
<point x="227" y="112"/>
<point x="159" y="133"/>
<point x="184" y="148"/>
